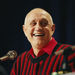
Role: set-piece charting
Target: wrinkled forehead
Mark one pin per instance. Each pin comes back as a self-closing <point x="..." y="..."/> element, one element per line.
<point x="37" y="15"/>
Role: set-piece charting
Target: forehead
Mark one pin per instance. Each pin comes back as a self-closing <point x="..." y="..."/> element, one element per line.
<point x="37" y="16"/>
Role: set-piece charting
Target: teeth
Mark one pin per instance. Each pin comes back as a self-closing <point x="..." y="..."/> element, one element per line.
<point x="38" y="34"/>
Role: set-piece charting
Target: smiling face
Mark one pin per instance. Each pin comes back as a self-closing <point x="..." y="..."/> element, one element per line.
<point x="38" y="28"/>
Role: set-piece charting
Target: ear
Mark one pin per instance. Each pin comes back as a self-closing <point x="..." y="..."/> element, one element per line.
<point x="53" y="28"/>
<point x="24" y="29"/>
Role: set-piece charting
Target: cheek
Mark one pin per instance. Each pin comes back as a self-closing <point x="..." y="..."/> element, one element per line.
<point x="30" y="31"/>
<point x="48" y="33"/>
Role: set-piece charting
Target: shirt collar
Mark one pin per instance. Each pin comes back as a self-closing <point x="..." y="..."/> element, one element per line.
<point x="47" y="49"/>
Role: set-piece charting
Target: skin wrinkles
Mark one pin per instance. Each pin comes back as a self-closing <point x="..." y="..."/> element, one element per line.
<point x="38" y="28"/>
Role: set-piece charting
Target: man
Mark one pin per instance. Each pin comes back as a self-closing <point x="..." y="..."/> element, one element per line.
<point x="46" y="55"/>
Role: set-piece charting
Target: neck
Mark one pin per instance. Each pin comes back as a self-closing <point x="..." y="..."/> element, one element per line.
<point x="36" y="50"/>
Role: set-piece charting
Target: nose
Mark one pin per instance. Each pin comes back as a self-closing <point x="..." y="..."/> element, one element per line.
<point x="38" y="27"/>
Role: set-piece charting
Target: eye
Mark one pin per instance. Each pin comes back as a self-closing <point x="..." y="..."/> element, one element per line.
<point x="33" y="23"/>
<point x="43" y="22"/>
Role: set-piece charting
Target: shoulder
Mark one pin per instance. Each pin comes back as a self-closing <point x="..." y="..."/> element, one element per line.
<point x="60" y="46"/>
<point x="70" y="53"/>
<point x="63" y="49"/>
<point x="67" y="51"/>
<point x="63" y="46"/>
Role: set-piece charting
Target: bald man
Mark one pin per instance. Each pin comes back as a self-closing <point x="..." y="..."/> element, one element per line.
<point x="45" y="56"/>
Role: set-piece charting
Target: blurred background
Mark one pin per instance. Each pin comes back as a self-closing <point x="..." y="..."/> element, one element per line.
<point x="12" y="15"/>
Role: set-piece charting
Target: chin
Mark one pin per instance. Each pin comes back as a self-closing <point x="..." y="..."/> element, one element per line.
<point x="39" y="43"/>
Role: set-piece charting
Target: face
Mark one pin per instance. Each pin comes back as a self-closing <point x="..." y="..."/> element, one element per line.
<point x="38" y="29"/>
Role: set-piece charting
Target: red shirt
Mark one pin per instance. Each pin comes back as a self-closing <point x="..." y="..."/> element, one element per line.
<point x="46" y="61"/>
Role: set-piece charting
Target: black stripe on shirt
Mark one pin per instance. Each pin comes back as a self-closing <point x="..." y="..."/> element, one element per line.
<point x="42" y="66"/>
<point x="48" y="64"/>
<point x="19" y="64"/>
<point x="37" y="67"/>
<point x="56" y="47"/>
<point x="57" y="67"/>
<point x="32" y="69"/>
<point x="27" y="65"/>
<point x="53" y="65"/>
<point x="15" y="68"/>
<point x="29" y="68"/>
<point x="23" y="62"/>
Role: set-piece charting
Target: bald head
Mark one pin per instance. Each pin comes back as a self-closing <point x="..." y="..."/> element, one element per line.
<point x="38" y="11"/>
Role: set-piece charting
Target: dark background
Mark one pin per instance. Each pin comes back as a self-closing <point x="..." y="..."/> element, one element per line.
<point x="13" y="12"/>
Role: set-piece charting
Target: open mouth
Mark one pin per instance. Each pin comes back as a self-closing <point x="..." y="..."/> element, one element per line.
<point x="38" y="35"/>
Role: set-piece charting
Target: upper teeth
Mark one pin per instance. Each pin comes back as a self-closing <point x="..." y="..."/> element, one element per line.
<point x="38" y="34"/>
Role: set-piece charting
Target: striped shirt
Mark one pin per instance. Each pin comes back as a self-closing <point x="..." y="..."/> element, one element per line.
<point x="46" y="62"/>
